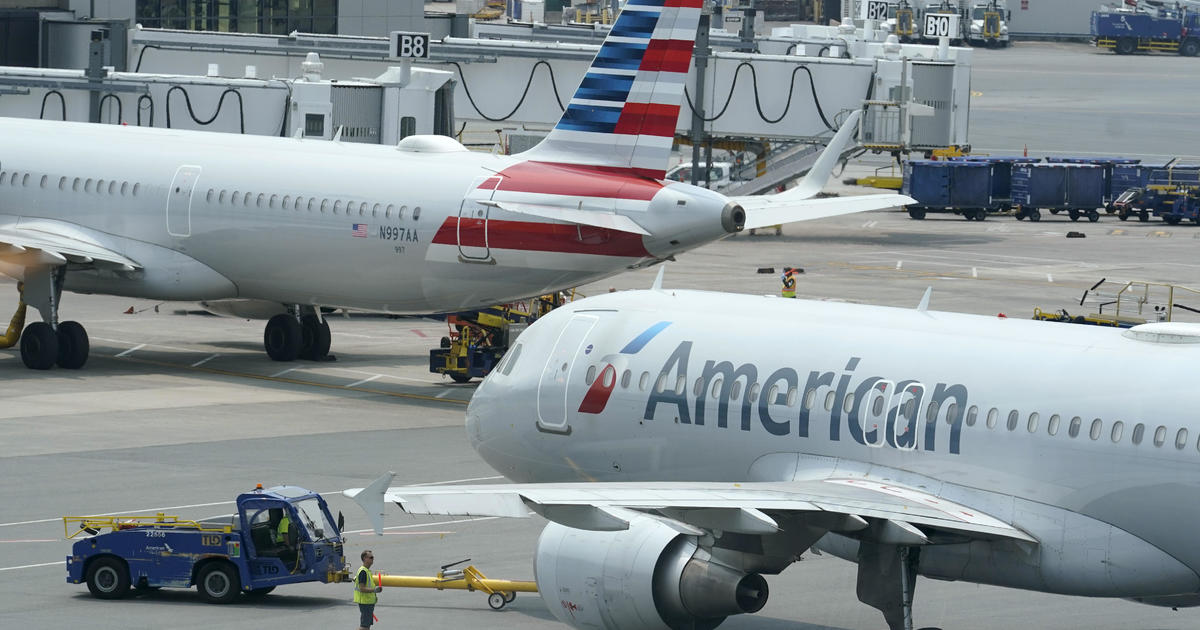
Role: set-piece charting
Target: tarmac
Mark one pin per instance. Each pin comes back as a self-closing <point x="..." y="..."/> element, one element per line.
<point x="178" y="412"/>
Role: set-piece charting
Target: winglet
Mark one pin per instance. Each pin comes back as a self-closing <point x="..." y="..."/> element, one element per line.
<point x="370" y="499"/>
<point x="924" y="305"/>
<point x="657" y="286"/>
<point x="823" y="168"/>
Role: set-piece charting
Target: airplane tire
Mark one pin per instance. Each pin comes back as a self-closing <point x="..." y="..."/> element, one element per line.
<point x="108" y="578"/>
<point x="39" y="346"/>
<point x="316" y="338"/>
<point x="283" y="338"/>
<point x="219" y="583"/>
<point x="73" y="346"/>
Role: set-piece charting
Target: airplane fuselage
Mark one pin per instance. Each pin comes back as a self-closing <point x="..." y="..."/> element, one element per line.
<point x="1081" y="436"/>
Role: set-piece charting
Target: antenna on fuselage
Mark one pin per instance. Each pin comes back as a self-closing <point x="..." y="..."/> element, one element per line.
<point x="657" y="286"/>
<point x="924" y="305"/>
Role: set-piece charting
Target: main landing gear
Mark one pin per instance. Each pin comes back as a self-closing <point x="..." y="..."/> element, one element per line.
<point x="887" y="580"/>
<point x="288" y="337"/>
<point x="48" y="342"/>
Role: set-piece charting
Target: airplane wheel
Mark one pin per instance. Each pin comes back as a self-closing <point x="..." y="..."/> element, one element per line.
<point x="218" y="583"/>
<point x="283" y="338"/>
<point x="496" y="601"/>
<point x="39" y="346"/>
<point x="316" y="338"/>
<point x="108" y="578"/>
<point x="73" y="345"/>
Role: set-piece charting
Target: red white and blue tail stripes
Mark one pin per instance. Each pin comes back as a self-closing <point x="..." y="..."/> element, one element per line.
<point x="625" y="111"/>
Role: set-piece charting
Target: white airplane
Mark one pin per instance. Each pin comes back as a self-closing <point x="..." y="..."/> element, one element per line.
<point x="682" y="444"/>
<point x="280" y="227"/>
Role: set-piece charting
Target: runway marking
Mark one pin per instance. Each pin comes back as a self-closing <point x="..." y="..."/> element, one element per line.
<point x="1049" y="278"/>
<point x="132" y="350"/>
<point x="146" y="345"/>
<point x="442" y="532"/>
<point x="30" y="540"/>
<point x="34" y="566"/>
<point x="418" y="333"/>
<point x="974" y="272"/>
<point x="365" y="381"/>
<point x="1159" y="234"/>
<point x="205" y="360"/>
<point x="391" y="376"/>
<point x="899" y="264"/>
<point x="445" y="392"/>
<point x="278" y="374"/>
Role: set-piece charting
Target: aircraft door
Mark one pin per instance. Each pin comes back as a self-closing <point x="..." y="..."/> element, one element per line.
<point x="554" y="386"/>
<point x="179" y="201"/>
<point x="473" y="221"/>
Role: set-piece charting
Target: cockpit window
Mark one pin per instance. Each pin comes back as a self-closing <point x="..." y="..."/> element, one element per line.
<point x="510" y="360"/>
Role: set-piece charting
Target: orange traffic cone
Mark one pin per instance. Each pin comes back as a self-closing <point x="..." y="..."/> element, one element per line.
<point x="1026" y="150"/>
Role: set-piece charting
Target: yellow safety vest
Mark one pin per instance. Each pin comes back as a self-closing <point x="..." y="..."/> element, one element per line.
<point x="361" y="597"/>
<point x="281" y="530"/>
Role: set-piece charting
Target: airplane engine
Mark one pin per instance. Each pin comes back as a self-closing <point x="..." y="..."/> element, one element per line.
<point x="647" y="577"/>
<point x="244" y="309"/>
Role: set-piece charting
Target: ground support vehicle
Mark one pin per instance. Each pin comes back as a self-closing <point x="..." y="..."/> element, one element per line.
<point x="1172" y="192"/>
<point x="1128" y="304"/>
<point x="1076" y="188"/>
<point x="1120" y="174"/>
<point x="958" y="186"/>
<point x="1148" y="28"/>
<point x="499" y="592"/>
<point x="989" y="24"/>
<point x="224" y="558"/>
<point x="477" y="340"/>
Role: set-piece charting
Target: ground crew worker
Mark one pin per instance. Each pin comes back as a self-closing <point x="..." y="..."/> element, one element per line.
<point x="789" y="282"/>
<point x="365" y="590"/>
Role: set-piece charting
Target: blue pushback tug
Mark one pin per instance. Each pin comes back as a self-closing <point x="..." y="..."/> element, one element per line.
<point x="247" y="552"/>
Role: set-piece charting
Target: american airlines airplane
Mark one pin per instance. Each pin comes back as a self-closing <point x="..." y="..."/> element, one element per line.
<point x="681" y="448"/>
<point x="281" y="227"/>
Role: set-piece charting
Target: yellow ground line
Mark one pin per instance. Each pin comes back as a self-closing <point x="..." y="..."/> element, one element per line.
<point x="294" y="381"/>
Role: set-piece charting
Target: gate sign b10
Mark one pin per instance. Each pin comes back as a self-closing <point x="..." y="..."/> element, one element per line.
<point x="876" y="10"/>
<point x="941" y="25"/>
<point x="404" y="45"/>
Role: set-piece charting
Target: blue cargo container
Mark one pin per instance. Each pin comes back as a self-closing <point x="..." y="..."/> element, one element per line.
<point x="1076" y="188"/>
<point x="959" y="187"/>
<point x="1001" y="176"/>
<point x="1112" y="190"/>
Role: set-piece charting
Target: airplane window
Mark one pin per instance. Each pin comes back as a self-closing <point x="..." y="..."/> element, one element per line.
<point x="716" y="387"/>
<point x="910" y="408"/>
<point x="993" y="415"/>
<point x="1073" y="429"/>
<point x="62" y="184"/>
<point x="44" y="179"/>
<point x="350" y="207"/>
<point x="287" y="201"/>
<point x="3" y="177"/>
<point x="124" y="187"/>
<point x="324" y="206"/>
<point x="752" y="395"/>
<point x="99" y="185"/>
<point x="209" y="196"/>
<point x="772" y="394"/>
<point x="75" y="184"/>
<point x="661" y="383"/>
<point x="1117" y="431"/>
<point x="1160" y="436"/>
<point x="337" y="206"/>
<point x="233" y="199"/>
<point x="400" y="212"/>
<point x="299" y="202"/>
<point x="136" y="188"/>
<point x="112" y="186"/>
<point x="416" y="213"/>
<point x="87" y="184"/>
<point x="848" y="402"/>
<point x="387" y="214"/>
<point x="246" y="198"/>
<point x="931" y="412"/>
<point x="609" y="377"/>
<point x="809" y="398"/>
<point x="1013" y="417"/>
<point x="375" y="211"/>
<point x="972" y="415"/>
<point x="792" y="394"/>
<point x="221" y="197"/>
<point x="311" y="203"/>
<point x="274" y="201"/>
<point x="1139" y="430"/>
<point x="1097" y="427"/>
<point x="625" y="378"/>
<point x="644" y="381"/>
<point x="511" y="359"/>
<point x="25" y="179"/>
<point x="591" y="375"/>
<point x="1033" y="422"/>
<point x="698" y="388"/>
<point x="1181" y="439"/>
<point x="262" y="199"/>
<point x="1052" y="426"/>
<point x="951" y="413"/>
<point x="829" y="400"/>
<point x="681" y="385"/>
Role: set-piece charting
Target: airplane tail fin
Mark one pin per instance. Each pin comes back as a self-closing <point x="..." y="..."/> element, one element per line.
<point x="624" y="112"/>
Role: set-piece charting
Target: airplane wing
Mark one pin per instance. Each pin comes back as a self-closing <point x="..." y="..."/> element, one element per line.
<point x="908" y="515"/>
<point x="609" y="220"/>
<point x="55" y="243"/>
<point x="797" y="204"/>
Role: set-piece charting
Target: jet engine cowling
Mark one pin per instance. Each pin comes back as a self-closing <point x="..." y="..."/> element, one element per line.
<point x="647" y="577"/>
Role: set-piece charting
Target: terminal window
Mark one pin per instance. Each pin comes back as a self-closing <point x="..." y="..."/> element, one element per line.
<point x="273" y="17"/>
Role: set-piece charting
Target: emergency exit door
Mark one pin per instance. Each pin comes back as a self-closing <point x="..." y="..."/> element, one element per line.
<point x="554" y="386"/>
<point x="179" y="201"/>
<point x="473" y="221"/>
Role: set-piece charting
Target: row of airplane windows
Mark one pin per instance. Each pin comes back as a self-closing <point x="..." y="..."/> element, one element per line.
<point x="1032" y="423"/>
<point x="75" y="184"/>
<point x="311" y="204"/>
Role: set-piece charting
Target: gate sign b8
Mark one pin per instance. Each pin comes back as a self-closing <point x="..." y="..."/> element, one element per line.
<point x="941" y="25"/>
<point x="876" y="10"/>
<point x="404" y="45"/>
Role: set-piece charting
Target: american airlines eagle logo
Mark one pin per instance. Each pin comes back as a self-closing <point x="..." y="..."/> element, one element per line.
<point x="596" y="398"/>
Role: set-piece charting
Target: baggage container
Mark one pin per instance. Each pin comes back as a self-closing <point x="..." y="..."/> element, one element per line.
<point x="953" y="186"/>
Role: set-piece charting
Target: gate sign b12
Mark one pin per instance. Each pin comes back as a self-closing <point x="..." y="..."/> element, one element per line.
<point x="876" y="10"/>
<point x="941" y="25"/>
<point x="404" y="45"/>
